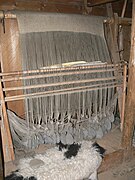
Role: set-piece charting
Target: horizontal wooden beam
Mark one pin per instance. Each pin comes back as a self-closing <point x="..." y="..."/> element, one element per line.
<point x="121" y="21"/>
<point x="125" y="21"/>
<point x="92" y="3"/>
<point x="57" y="2"/>
<point x="61" y="6"/>
<point x="57" y="6"/>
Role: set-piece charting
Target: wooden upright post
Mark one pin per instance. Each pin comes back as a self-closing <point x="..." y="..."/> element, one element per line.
<point x="123" y="95"/>
<point x="1" y="157"/>
<point x="129" y="120"/>
<point x="115" y="53"/>
<point x="4" y="125"/>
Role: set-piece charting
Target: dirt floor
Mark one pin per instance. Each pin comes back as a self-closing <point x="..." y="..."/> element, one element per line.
<point x="125" y="171"/>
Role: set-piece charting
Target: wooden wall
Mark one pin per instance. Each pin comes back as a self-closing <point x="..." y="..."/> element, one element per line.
<point x="9" y="42"/>
<point x="91" y="7"/>
<point x="126" y="42"/>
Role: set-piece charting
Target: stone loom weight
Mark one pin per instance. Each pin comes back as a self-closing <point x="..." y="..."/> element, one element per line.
<point x="49" y="39"/>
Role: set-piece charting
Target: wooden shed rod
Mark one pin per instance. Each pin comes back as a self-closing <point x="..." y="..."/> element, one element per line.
<point x="106" y="66"/>
<point x="37" y="76"/>
<point x="62" y="91"/>
<point x="58" y="84"/>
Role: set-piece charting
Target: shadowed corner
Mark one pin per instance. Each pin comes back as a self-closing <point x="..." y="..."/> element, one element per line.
<point x="99" y="149"/>
<point x="2" y="173"/>
<point x="14" y="176"/>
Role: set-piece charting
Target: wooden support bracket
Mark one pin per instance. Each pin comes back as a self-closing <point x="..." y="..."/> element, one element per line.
<point x="123" y="95"/>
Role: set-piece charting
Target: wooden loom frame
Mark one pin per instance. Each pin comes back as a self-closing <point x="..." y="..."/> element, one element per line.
<point x="20" y="75"/>
<point x="110" y="159"/>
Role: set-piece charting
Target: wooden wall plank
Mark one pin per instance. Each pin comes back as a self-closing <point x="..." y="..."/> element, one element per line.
<point x="66" y="6"/>
<point x="99" y="2"/>
<point x="116" y="158"/>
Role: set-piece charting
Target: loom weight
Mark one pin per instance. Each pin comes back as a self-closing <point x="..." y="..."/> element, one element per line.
<point x="69" y="138"/>
<point x="68" y="135"/>
<point x="63" y="137"/>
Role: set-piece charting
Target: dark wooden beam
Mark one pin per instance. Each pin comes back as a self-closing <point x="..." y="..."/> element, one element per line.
<point x="121" y="21"/>
<point x="62" y="6"/>
<point x="92" y="3"/>
<point x="59" y="6"/>
<point x="129" y="120"/>
<point x="66" y="6"/>
<point x="58" y="2"/>
<point x="125" y="21"/>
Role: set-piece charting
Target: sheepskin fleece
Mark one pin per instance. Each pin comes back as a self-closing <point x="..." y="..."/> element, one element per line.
<point x="57" y="167"/>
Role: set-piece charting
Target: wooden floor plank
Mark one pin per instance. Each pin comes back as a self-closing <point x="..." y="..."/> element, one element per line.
<point x="111" y="141"/>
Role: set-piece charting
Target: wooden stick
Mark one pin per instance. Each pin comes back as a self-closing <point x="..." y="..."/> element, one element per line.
<point x="121" y="21"/>
<point x="124" y="95"/>
<point x="124" y="8"/>
<point x="125" y="21"/>
<point x="129" y="120"/>
<point x="59" y="69"/>
<point x="63" y="91"/>
<point x="6" y="130"/>
<point x="55" y="75"/>
<point x="58" y="84"/>
<point x="7" y="15"/>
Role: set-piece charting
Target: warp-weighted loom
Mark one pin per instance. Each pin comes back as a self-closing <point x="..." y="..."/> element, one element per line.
<point x="69" y="103"/>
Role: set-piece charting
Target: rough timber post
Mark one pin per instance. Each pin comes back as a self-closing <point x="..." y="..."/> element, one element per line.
<point x="4" y="127"/>
<point x="115" y="53"/>
<point x="129" y="120"/>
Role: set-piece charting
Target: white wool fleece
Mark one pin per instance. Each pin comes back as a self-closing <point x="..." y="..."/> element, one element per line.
<point x="58" y="167"/>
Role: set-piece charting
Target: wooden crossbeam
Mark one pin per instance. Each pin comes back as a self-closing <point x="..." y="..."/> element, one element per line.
<point x="58" y="2"/>
<point x="60" y="6"/>
<point x="92" y="3"/>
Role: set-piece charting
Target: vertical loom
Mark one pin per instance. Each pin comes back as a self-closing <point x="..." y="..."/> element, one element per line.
<point x="65" y="104"/>
<point x="82" y="110"/>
